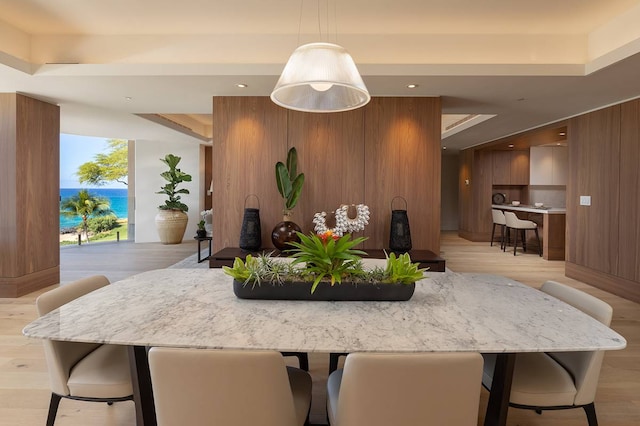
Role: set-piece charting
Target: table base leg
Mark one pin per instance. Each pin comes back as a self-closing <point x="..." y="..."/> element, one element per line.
<point x="142" y="391"/>
<point x="498" y="406"/>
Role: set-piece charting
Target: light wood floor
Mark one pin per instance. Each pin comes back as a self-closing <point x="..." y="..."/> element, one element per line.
<point x="24" y="386"/>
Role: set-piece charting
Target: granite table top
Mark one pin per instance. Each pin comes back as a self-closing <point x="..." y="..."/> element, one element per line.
<point x="448" y="312"/>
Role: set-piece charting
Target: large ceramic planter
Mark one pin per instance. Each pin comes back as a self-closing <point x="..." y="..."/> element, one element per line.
<point x="171" y="225"/>
<point x="324" y="291"/>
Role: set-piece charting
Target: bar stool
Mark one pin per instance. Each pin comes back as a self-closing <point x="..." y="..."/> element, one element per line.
<point x="521" y="225"/>
<point x="498" y="219"/>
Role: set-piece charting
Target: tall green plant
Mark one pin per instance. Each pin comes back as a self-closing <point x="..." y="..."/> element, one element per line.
<point x="174" y="177"/>
<point x="289" y="181"/>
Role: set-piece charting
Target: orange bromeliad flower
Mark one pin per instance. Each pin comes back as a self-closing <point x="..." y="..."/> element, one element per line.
<point x="326" y="235"/>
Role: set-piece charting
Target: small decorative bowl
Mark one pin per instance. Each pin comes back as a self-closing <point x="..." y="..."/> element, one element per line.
<point x="538" y="205"/>
<point x="515" y="203"/>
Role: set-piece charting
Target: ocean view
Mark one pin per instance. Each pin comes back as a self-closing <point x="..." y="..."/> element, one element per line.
<point x="117" y="197"/>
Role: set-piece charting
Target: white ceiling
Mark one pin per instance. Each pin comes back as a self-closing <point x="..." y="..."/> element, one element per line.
<point x="527" y="63"/>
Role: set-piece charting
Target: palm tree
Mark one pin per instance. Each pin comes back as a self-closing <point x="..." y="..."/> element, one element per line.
<point x="85" y="205"/>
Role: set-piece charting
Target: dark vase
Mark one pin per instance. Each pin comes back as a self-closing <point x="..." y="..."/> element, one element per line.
<point x="400" y="234"/>
<point x="283" y="233"/>
<point x="201" y="233"/>
<point x="250" y="233"/>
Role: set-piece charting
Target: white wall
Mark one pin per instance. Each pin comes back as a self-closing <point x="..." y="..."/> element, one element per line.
<point x="149" y="181"/>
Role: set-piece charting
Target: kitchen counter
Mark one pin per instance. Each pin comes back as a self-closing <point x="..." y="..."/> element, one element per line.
<point x="552" y="228"/>
<point x="530" y="209"/>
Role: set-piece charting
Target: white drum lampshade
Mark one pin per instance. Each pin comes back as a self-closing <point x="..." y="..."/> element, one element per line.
<point x="320" y="77"/>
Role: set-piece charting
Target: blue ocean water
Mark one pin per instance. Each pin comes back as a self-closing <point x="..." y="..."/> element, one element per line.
<point x="117" y="197"/>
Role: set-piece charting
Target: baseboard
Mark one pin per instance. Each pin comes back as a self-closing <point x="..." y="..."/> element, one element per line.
<point x="13" y="287"/>
<point x="627" y="289"/>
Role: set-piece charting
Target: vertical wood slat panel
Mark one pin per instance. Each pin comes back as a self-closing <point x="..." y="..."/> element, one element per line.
<point x="249" y="137"/>
<point x="331" y="155"/>
<point x="465" y="192"/>
<point x="391" y="147"/>
<point x="403" y="158"/>
<point x="29" y="197"/>
<point x="629" y="223"/>
<point x="594" y="161"/>
<point x="8" y="183"/>
<point x="482" y="220"/>
<point x="38" y="156"/>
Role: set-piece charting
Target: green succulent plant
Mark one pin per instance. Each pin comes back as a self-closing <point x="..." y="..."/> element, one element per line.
<point x="324" y="257"/>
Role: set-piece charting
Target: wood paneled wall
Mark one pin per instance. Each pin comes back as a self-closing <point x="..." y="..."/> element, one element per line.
<point x="249" y="137"/>
<point x="603" y="247"/>
<point x="594" y="152"/>
<point x="389" y="148"/>
<point x="629" y="218"/>
<point x="403" y="158"/>
<point x="29" y="197"/>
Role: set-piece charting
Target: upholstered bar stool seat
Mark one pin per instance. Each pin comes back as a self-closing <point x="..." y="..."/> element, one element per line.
<point x="513" y="222"/>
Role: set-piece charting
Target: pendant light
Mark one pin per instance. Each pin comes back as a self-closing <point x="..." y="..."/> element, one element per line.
<point x="320" y="77"/>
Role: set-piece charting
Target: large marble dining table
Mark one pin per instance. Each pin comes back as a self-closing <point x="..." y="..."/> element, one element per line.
<point x="449" y="312"/>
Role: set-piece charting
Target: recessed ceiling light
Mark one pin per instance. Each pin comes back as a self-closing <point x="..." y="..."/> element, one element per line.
<point x="444" y="147"/>
<point x="412" y="86"/>
<point x="510" y="145"/>
<point x="242" y="85"/>
<point x="562" y="134"/>
<point x="127" y="98"/>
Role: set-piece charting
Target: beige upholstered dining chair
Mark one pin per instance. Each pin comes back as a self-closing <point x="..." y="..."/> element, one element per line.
<point x="227" y="387"/>
<point x="405" y="389"/>
<point x="513" y="222"/>
<point x="498" y="219"/>
<point x="559" y="380"/>
<point x="83" y="371"/>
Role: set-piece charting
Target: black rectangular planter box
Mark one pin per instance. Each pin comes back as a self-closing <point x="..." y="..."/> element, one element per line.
<point x="345" y="291"/>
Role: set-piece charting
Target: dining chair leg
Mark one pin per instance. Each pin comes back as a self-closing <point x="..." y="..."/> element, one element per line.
<point x="493" y="230"/>
<point x="524" y="240"/>
<point x="53" y="408"/>
<point x="502" y="236"/>
<point x="515" y="241"/>
<point x="590" y="410"/>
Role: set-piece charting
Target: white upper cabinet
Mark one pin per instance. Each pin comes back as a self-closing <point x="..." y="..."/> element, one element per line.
<point x="548" y="165"/>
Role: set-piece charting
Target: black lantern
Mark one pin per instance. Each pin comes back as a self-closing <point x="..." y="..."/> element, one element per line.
<point x="399" y="235"/>
<point x="250" y="233"/>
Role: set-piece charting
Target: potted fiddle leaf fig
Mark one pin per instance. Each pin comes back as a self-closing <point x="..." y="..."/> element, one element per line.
<point x="171" y="220"/>
<point x="289" y="183"/>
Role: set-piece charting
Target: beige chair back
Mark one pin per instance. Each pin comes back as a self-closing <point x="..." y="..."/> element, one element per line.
<point x="498" y="217"/>
<point x="220" y="387"/>
<point x="583" y="366"/>
<point x="62" y="356"/>
<point x="410" y="389"/>
<point x="514" y="222"/>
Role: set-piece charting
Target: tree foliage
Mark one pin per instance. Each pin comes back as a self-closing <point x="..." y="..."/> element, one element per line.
<point x="85" y="205"/>
<point x="109" y="167"/>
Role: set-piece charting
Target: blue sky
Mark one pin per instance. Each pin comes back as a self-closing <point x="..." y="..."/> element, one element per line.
<point x="76" y="150"/>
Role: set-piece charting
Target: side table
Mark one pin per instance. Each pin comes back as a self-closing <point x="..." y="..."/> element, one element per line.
<point x="200" y="240"/>
<point x="426" y="258"/>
